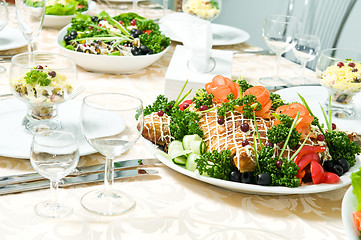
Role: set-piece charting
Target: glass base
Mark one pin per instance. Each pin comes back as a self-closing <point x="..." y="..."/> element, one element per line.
<point x="107" y="203"/>
<point x="341" y="105"/>
<point x="52" y="210"/>
<point x="273" y="81"/>
<point x="33" y="126"/>
<point x="342" y="112"/>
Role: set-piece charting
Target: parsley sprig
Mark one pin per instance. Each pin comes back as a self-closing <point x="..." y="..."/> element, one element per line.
<point x="248" y="102"/>
<point x="279" y="133"/>
<point x="215" y="164"/>
<point x="37" y="77"/>
<point x="203" y="98"/>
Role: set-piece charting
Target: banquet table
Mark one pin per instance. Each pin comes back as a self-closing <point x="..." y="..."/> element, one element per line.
<point x="169" y="205"/>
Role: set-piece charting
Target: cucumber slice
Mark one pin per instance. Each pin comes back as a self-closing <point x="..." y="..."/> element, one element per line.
<point x="175" y="149"/>
<point x="181" y="160"/>
<point x="188" y="139"/>
<point x="198" y="147"/>
<point x="191" y="165"/>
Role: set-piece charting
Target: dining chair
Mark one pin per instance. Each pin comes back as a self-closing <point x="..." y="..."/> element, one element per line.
<point x="323" y="18"/>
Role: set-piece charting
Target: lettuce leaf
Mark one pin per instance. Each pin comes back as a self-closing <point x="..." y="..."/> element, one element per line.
<point x="61" y="10"/>
<point x="356" y="185"/>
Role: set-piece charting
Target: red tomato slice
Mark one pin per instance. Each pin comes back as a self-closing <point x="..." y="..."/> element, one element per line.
<point x="357" y="220"/>
<point x="316" y="172"/>
<point x="329" y="177"/>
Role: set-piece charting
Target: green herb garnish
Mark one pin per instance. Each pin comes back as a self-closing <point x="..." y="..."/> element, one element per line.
<point x="37" y="77"/>
<point x="279" y="133"/>
<point x="215" y="164"/>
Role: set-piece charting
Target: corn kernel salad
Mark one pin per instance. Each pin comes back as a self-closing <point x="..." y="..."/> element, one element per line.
<point x="343" y="77"/>
<point x="42" y="86"/>
<point x="206" y="9"/>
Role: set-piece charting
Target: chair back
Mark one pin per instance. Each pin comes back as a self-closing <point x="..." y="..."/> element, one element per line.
<point x="323" y="18"/>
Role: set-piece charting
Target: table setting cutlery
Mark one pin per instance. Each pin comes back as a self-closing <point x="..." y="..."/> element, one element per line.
<point x="73" y="180"/>
<point x="257" y="52"/>
<point x="80" y="171"/>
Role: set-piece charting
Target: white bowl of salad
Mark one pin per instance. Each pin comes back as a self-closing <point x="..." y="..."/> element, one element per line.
<point x="59" y="13"/>
<point x="122" y="44"/>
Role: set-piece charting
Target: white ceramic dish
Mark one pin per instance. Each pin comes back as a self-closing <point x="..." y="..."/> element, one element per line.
<point x="11" y="38"/>
<point x="315" y="96"/>
<point x="106" y="63"/>
<point x="222" y="35"/>
<point x="252" y="188"/>
<point x="54" y="21"/>
<point x="349" y="204"/>
<point x="15" y="142"/>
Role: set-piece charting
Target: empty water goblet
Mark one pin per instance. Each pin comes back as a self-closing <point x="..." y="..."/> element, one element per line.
<point x="279" y="33"/>
<point x="305" y="50"/>
<point x="30" y="15"/>
<point x="54" y="154"/>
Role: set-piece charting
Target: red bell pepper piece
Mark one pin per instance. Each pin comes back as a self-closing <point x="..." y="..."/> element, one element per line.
<point x="308" y="149"/>
<point x="306" y="159"/>
<point x="185" y="104"/>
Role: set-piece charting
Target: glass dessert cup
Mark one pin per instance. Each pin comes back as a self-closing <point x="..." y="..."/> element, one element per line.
<point x="42" y="81"/>
<point x="205" y="9"/>
<point x="339" y="71"/>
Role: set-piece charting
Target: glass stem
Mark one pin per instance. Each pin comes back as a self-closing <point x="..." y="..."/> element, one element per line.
<point x="302" y="69"/>
<point x="109" y="174"/>
<point x="135" y="5"/>
<point x="165" y="7"/>
<point x="54" y="192"/>
<point x="276" y="71"/>
<point x="30" y="46"/>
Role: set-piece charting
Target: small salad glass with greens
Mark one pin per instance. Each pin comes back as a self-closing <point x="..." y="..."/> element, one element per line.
<point x="65" y="7"/>
<point x="127" y="34"/>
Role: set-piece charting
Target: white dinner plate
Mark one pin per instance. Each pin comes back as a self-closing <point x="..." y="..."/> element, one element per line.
<point x="315" y="96"/>
<point x="11" y="38"/>
<point x="349" y="204"/>
<point x="15" y="142"/>
<point x="54" y="21"/>
<point x="222" y="35"/>
<point x="252" y="188"/>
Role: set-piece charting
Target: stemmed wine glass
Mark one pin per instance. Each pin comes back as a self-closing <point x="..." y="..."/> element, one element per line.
<point x="205" y="9"/>
<point x="279" y="34"/>
<point x="54" y="154"/>
<point x="305" y="50"/>
<point x="3" y="21"/>
<point x="30" y="15"/>
<point x="111" y="123"/>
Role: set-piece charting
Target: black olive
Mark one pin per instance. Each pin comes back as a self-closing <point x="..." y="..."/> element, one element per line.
<point x="73" y="33"/>
<point x="338" y="170"/>
<point x="246" y="177"/>
<point x="95" y="18"/>
<point x="263" y="179"/>
<point x="133" y="50"/>
<point x="328" y="166"/>
<point x="235" y="176"/>
<point x="138" y="32"/>
<point x="150" y="51"/>
<point x="344" y="164"/>
<point x="72" y="37"/>
<point x="134" y="35"/>
<point x="137" y="53"/>
<point x="67" y="39"/>
<point x="144" y="49"/>
<point x="133" y="30"/>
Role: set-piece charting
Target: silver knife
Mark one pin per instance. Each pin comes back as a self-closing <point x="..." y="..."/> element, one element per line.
<point x="70" y="181"/>
<point x="291" y="85"/>
<point x="119" y="165"/>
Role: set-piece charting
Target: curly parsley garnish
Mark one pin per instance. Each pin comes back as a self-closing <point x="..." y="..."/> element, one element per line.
<point x="215" y="164"/>
<point x="161" y="103"/>
<point x="248" y="102"/>
<point x="279" y="133"/>
<point x="37" y="77"/>
<point x="184" y="123"/>
<point x="243" y="84"/>
<point x="277" y="101"/>
<point x="203" y="98"/>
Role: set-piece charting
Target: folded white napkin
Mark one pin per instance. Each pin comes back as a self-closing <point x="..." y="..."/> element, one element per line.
<point x="196" y="35"/>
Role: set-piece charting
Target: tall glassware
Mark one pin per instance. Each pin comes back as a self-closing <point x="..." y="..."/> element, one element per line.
<point x="279" y="34"/>
<point x="305" y="50"/>
<point x="111" y="123"/>
<point x="3" y="21"/>
<point x="30" y="15"/>
<point x="54" y="154"/>
<point x="339" y="71"/>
